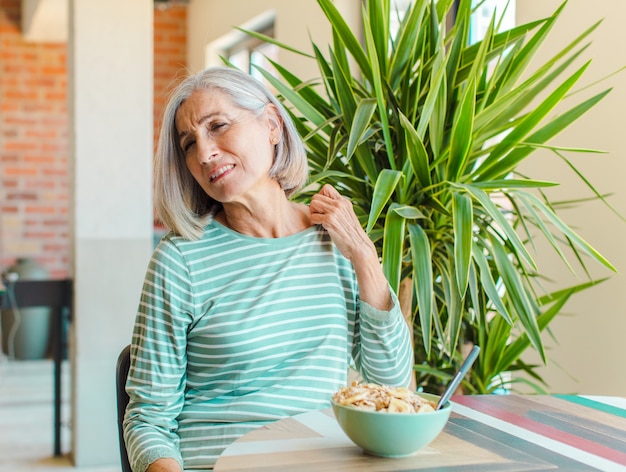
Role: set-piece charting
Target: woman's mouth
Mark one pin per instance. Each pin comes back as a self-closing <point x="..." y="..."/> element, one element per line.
<point x="221" y="171"/>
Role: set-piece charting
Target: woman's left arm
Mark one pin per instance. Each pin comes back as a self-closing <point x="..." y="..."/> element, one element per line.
<point x="383" y="350"/>
<point x="335" y="213"/>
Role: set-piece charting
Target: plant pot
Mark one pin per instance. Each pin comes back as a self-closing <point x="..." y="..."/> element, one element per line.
<point x="25" y="331"/>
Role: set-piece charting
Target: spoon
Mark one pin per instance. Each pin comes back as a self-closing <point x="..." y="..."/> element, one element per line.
<point x="456" y="380"/>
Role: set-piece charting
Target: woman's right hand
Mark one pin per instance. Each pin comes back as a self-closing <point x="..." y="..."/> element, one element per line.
<point x="164" y="465"/>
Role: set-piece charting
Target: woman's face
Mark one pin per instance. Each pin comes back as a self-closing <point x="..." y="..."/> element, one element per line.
<point x="227" y="149"/>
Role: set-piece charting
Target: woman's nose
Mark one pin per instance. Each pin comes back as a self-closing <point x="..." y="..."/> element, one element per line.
<point x="207" y="150"/>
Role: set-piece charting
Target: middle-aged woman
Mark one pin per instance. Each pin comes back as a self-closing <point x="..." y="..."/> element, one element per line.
<point x="253" y="307"/>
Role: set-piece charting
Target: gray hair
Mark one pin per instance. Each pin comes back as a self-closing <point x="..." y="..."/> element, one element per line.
<point x="181" y="204"/>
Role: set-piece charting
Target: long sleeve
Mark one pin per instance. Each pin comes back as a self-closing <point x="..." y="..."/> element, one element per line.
<point x="382" y="348"/>
<point x="158" y="361"/>
<point x="234" y="332"/>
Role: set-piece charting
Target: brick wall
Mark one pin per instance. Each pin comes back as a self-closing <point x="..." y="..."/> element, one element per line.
<point x="34" y="170"/>
<point x="170" y="55"/>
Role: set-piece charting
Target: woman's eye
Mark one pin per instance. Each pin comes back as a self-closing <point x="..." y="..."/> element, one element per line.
<point x="187" y="145"/>
<point x="217" y="127"/>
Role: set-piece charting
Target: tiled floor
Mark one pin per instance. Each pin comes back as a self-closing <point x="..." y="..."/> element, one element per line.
<point x="26" y="439"/>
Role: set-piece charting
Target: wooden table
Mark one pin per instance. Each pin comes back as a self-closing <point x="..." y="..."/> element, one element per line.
<point x="484" y="433"/>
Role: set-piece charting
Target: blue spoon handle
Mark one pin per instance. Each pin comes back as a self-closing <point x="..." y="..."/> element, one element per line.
<point x="456" y="380"/>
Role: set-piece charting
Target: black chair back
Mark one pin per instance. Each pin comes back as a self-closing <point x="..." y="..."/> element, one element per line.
<point x="121" y="374"/>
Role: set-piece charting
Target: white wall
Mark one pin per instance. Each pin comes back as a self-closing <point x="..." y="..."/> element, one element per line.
<point x="110" y="87"/>
<point x="589" y="355"/>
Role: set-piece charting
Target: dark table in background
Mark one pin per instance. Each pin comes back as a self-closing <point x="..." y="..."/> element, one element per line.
<point x="56" y="295"/>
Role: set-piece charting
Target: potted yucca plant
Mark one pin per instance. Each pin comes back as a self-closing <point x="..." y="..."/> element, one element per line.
<point x="425" y="133"/>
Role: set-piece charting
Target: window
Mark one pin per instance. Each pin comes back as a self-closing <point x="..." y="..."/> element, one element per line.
<point x="244" y="51"/>
<point x="505" y="16"/>
<point x="251" y="52"/>
<point x="399" y="9"/>
<point x="484" y="9"/>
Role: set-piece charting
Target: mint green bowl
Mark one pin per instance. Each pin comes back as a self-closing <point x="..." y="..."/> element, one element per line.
<point x="391" y="434"/>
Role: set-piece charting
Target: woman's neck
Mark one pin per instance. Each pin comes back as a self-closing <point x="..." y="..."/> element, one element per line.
<point x="265" y="219"/>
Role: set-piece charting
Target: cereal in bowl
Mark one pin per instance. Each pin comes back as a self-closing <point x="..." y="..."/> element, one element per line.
<point x="369" y="396"/>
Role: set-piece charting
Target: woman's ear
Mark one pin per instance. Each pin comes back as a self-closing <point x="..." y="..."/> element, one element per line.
<point x="275" y="123"/>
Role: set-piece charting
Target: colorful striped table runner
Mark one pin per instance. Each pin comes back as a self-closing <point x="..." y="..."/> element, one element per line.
<point x="484" y="433"/>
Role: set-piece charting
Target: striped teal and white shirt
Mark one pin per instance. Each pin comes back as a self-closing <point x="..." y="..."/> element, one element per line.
<point x="234" y="331"/>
